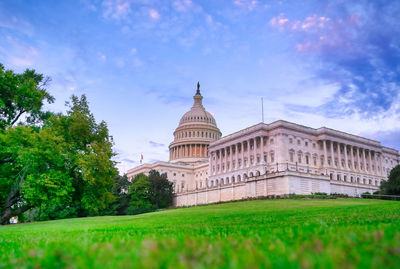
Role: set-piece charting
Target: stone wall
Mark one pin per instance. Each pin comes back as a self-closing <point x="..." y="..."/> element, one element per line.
<point x="277" y="184"/>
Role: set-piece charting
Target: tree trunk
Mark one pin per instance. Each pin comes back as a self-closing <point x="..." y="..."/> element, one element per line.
<point x="8" y="213"/>
<point x="6" y="216"/>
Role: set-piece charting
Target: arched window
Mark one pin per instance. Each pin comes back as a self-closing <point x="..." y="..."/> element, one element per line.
<point x="239" y="178"/>
<point x="258" y="173"/>
<point x="233" y="179"/>
<point x="251" y="174"/>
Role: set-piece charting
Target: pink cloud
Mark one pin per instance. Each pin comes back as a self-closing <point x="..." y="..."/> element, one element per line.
<point x="154" y="14"/>
<point x="182" y="5"/>
<point x="116" y="9"/>
<point x="279" y="21"/>
<point x="316" y="33"/>
<point x="248" y="4"/>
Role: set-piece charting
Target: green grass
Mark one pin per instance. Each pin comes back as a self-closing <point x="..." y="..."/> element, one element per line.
<point x="343" y="233"/>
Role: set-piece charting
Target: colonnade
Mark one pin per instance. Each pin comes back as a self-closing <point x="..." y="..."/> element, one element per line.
<point x="238" y="155"/>
<point x="188" y="151"/>
<point x="357" y="161"/>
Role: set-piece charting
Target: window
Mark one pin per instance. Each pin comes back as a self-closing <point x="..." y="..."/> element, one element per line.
<point x="271" y="141"/>
<point x="265" y="157"/>
<point x="298" y="141"/>
<point x="272" y="157"/>
<point x="313" y="145"/>
<point x="306" y="143"/>
<point x="307" y="159"/>
<point x="291" y="156"/>
<point x="291" y="140"/>
<point x="299" y="158"/>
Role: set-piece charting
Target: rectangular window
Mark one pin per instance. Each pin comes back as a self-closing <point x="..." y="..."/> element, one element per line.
<point x="272" y="157"/>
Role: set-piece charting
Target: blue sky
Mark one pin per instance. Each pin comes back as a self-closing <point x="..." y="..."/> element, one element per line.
<point x="317" y="63"/>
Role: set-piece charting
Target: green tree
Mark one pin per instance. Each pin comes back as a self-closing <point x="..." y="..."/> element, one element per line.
<point x="34" y="172"/>
<point x="161" y="190"/>
<point x="22" y="94"/>
<point x="392" y="185"/>
<point x="90" y="154"/>
<point x="120" y="191"/>
<point x="140" y="195"/>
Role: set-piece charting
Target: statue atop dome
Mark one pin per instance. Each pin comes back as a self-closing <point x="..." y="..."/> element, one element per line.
<point x="198" y="88"/>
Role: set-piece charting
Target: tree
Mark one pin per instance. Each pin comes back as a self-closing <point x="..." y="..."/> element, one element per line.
<point x="120" y="191"/>
<point x="150" y="192"/>
<point x="22" y="94"/>
<point x="34" y="172"/>
<point x="64" y="167"/>
<point x="90" y="154"/>
<point x="140" y="195"/>
<point x="392" y="185"/>
<point x="161" y="190"/>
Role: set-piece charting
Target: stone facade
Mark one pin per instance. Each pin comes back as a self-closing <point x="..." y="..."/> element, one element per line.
<point x="279" y="158"/>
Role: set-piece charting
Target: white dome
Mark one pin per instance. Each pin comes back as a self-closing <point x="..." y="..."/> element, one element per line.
<point x="196" y="129"/>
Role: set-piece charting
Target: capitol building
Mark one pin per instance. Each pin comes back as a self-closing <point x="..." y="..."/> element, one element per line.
<point x="274" y="159"/>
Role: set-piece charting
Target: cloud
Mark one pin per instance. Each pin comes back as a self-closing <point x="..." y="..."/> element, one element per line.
<point x="279" y="21"/>
<point x="155" y="144"/>
<point x="356" y="47"/>
<point x="154" y="14"/>
<point x="182" y="5"/>
<point x="16" y="24"/>
<point x="116" y="9"/>
<point x="128" y="161"/>
<point x="247" y="4"/>
<point x="19" y="53"/>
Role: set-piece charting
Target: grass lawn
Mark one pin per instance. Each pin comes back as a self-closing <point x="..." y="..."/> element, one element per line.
<point x="343" y="233"/>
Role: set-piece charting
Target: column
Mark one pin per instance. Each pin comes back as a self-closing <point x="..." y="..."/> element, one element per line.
<point x="376" y="164"/>
<point x="248" y="153"/>
<point x="339" y="156"/>
<point x="381" y="162"/>
<point x="226" y="159"/>
<point x="346" y="160"/>
<point x="220" y="160"/>
<point x="352" y="157"/>
<point x="332" y="155"/>
<point x="369" y="161"/>
<point x="325" y="153"/>
<point x="236" y="156"/>
<point x="358" y="159"/>
<point x="190" y="150"/>
<point x="231" y="157"/>
<point x="242" y="154"/>
<point x="262" y="150"/>
<point x="255" y="151"/>
<point x="364" y="160"/>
